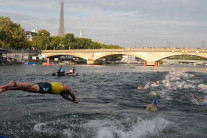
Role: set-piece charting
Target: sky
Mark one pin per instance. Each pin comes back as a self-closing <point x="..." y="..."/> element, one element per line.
<point x="127" y="23"/>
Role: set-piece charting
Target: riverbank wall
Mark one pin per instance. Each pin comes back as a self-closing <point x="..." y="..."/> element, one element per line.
<point x="17" y="56"/>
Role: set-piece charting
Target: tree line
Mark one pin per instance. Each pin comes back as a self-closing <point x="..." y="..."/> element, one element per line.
<point x="12" y="36"/>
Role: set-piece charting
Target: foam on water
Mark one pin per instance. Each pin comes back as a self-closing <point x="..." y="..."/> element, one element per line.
<point x="42" y="127"/>
<point x="142" y="128"/>
<point x="45" y="128"/>
<point x="127" y="127"/>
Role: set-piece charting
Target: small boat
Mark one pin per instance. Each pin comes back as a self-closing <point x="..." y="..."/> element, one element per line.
<point x="71" y="74"/>
<point x="59" y="73"/>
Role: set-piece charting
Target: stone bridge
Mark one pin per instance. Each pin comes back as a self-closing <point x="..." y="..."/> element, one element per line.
<point x="149" y="55"/>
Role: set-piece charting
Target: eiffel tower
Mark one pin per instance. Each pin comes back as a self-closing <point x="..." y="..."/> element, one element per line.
<point x="61" y="29"/>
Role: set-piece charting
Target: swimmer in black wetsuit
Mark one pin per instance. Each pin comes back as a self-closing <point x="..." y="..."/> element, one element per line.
<point x="44" y="87"/>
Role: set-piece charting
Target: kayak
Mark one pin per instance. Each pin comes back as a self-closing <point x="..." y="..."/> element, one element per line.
<point x="71" y="74"/>
<point x="59" y="74"/>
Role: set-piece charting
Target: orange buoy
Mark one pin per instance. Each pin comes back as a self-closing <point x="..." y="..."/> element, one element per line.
<point x="48" y="62"/>
<point x="144" y="64"/>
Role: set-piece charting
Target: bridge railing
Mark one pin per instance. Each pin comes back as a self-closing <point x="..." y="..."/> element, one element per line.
<point x="183" y="50"/>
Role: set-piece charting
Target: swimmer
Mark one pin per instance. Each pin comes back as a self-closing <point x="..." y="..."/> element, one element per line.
<point x="200" y="100"/>
<point x="178" y="77"/>
<point x="153" y="94"/>
<point x="152" y="106"/>
<point x="166" y="82"/>
<point x="43" y="87"/>
<point x="202" y="87"/>
<point x="172" y="87"/>
<point x="140" y="88"/>
<point x="155" y="83"/>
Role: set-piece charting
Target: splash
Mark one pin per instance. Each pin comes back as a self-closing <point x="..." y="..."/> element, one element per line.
<point x="44" y="128"/>
<point x="142" y="128"/>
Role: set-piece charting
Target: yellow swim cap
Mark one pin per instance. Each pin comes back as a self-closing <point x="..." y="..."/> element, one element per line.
<point x="154" y="94"/>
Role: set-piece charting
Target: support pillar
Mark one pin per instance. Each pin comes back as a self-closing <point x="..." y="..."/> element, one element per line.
<point x="92" y="62"/>
<point x="150" y="63"/>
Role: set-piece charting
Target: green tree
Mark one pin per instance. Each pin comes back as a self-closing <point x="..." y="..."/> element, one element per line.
<point x="109" y="46"/>
<point x="42" y="40"/>
<point x="84" y="43"/>
<point x="68" y="40"/>
<point x="94" y="45"/>
<point x="54" y="42"/>
<point x="11" y="34"/>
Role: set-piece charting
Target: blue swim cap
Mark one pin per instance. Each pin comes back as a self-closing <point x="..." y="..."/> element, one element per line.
<point x="154" y="101"/>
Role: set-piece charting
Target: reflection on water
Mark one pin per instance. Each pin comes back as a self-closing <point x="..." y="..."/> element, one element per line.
<point x="110" y="105"/>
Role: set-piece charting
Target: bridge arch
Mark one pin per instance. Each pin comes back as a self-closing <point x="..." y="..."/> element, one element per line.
<point x="63" y="54"/>
<point x="181" y="54"/>
<point x="103" y="56"/>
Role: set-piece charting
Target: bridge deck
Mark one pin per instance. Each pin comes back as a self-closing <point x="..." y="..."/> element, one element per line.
<point x="150" y="55"/>
<point x="183" y="50"/>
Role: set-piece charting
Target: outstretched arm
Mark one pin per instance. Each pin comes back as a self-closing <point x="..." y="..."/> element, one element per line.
<point x="149" y="107"/>
<point x="198" y="98"/>
<point x="66" y="96"/>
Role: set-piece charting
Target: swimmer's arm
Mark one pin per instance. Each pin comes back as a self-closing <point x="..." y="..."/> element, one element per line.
<point x="198" y="98"/>
<point x="65" y="95"/>
<point x="72" y="95"/>
<point x="149" y="107"/>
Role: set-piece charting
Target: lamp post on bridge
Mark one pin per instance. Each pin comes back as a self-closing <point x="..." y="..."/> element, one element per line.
<point x="203" y="44"/>
<point x="168" y="44"/>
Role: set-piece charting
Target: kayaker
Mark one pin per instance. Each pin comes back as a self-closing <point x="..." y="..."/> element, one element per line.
<point x="73" y="70"/>
<point x="60" y="70"/>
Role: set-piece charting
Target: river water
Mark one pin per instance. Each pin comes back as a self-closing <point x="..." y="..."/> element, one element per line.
<point x="110" y="105"/>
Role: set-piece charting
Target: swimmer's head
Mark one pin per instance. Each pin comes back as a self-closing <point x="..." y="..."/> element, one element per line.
<point x="154" y="102"/>
<point x="154" y="94"/>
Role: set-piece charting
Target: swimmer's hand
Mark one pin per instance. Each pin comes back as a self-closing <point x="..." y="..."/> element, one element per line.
<point x="75" y="101"/>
